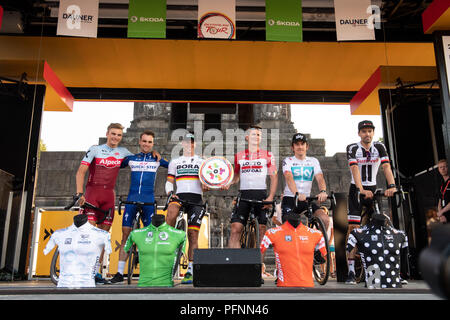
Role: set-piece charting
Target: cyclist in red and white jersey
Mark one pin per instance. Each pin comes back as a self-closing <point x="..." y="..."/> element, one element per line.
<point x="251" y="168"/>
<point x="103" y="163"/>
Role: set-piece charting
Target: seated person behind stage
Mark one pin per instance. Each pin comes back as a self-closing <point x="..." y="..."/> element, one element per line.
<point x="294" y="245"/>
<point x="158" y="245"/>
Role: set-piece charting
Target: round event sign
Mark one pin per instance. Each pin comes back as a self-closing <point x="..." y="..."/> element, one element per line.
<point x="216" y="172"/>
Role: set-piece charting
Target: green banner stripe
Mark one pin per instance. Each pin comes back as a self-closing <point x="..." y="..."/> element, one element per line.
<point x="284" y="20"/>
<point x="147" y="19"/>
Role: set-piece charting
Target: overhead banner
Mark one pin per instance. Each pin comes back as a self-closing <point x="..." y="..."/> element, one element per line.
<point x="354" y="20"/>
<point x="284" y="20"/>
<point x="147" y="19"/>
<point x="217" y="19"/>
<point x="78" y="18"/>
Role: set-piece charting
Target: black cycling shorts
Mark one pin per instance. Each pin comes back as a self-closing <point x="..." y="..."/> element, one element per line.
<point x="288" y="205"/>
<point x="241" y="213"/>
<point x="194" y="213"/>
<point x="355" y="209"/>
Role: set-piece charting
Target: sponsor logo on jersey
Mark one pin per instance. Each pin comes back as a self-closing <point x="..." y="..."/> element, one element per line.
<point x="68" y="241"/>
<point x="109" y="162"/>
<point x="288" y="238"/>
<point x="164" y="236"/>
<point x="143" y="166"/>
<point x="303" y="238"/>
<point x="303" y="173"/>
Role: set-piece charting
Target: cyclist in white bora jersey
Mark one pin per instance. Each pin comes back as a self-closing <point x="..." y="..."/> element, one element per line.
<point x="184" y="172"/>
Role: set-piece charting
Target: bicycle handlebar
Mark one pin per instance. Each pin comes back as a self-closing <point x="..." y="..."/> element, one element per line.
<point x="136" y="203"/>
<point x="311" y="199"/>
<point x="86" y="204"/>
<point x="239" y="199"/>
<point x="379" y="193"/>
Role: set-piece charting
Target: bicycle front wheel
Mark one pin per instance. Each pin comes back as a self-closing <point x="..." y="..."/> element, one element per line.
<point x="132" y="262"/>
<point x="54" y="268"/>
<point x="253" y="234"/>
<point x="321" y="269"/>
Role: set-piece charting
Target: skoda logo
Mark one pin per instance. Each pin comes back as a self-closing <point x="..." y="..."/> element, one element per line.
<point x="134" y="19"/>
<point x="271" y="22"/>
<point x="163" y="236"/>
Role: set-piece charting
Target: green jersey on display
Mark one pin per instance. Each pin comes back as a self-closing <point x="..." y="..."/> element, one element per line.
<point x="157" y="247"/>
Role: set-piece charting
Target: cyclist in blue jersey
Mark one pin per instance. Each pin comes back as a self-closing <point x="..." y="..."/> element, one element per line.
<point x="143" y="174"/>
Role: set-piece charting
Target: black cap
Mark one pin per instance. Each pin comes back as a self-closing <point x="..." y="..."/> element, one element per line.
<point x="299" y="137"/>
<point x="365" y="124"/>
<point x="189" y="137"/>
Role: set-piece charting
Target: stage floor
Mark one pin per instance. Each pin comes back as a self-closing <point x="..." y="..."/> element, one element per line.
<point x="43" y="289"/>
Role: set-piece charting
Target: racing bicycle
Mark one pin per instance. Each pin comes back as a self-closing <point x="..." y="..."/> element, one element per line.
<point x="366" y="217"/>
<point x="54" y="265"/>
<point x="180" y="224"/>
<point x="250" y="237"/>
<point x="133" y="257"/>
<point x="321" y="265"/>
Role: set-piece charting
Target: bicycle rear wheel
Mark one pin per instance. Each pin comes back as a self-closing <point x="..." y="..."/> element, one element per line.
<point x="54" y="268"/>
<point x="321" y="271"/>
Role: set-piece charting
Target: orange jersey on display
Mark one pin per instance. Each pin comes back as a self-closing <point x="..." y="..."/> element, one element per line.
<point x="294" y="253"/>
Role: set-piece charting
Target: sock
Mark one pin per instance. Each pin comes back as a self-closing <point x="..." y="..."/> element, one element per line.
<point x="189" y="269"/>
<point x="121" y="267"/>
<point x="351" y="266"/>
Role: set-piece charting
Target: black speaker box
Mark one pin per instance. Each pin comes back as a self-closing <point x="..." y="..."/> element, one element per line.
<point x="227" y="268"/>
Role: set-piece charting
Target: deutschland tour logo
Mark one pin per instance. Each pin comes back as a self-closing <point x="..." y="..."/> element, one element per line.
<point x="215" y="25"/>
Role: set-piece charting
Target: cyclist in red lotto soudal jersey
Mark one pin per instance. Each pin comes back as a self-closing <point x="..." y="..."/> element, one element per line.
<point x="364" y="159"/>
<point x="252" y="166"/>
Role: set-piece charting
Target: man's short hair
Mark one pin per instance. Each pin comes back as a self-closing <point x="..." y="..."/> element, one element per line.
<point x="115" y="126"/>
<point x="252" y="127"/>
<point x="442" y="160"/>
<point x="147" y="133"/>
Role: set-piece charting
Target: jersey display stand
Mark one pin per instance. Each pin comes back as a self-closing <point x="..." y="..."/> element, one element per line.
<point x="227" y="268"/>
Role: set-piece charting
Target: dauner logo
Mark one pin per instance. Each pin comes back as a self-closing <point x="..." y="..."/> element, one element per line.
<point x="110" y="162"/>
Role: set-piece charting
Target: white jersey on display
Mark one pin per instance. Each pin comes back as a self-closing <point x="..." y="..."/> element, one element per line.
<point x="185" y="172"/>
<point x="79" y="250"/>
<point x="303" y="172"/>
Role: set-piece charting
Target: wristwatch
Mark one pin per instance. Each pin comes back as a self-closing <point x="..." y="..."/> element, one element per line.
<point x="325" y="191"/>
<point x="391" y="186"/>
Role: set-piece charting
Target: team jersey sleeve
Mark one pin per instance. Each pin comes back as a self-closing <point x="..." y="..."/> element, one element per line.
<point x="317" y="168"/>
<point x="286" y="166"/>
<point x="164" y="163"/>
<point x="50" y="244"/>
<point x="129" y="242"/>
<point x="237" y="167"/>
<point x="125" y="162"/>
<point x="266" y="242"/>
<point x="89" y="156"/>
<point x="351" y="154"/>
<point x="171" y="172"/>
<point x="271" y="165"/>
<point x="384" y="158"/>
<point x="108" y="249"/>
<point x="351" y="242"/>
<point x="320" y="245"/>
